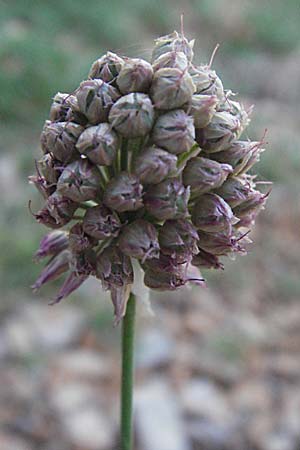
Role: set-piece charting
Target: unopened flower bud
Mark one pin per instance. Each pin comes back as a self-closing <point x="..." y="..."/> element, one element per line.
<point x="173" y="59"/>
<point x="207" y="82"/>
<point x="55" y="267"/>
<point x="202" y="108"/>
<point x="95" y="99"/>
<point x="101" y="222"/>
<point x="139" y="240"/>
<point x="52" y="244"/>
<point x="84" y="262"/>
<point x="206" y="260"/>
<point x="59" y="108"/>
<point x="132" y="115"/>
<point x="60" y="139"/>
<point x="79" y="241"/>
<point x="99" y="144"/>
<point x="241" y="155"/>
<point x="174" y="42"/>
<point x="203" y="174"/>
<point x="71" y="283"/>
<point x="171" y="88"/>
<point x="174" y="131"/>
<point x="247" y="210"/>
<point x="167" y="200"/>
<point x="135" y="76"/>
<point x="238" y="110"/>
<point x="116" y="274"/>
<point x="211" y="213"/>
<point x="123" y="193"/>
<point x="80" y="181"/>
<point x="49" y="168"/>
<point x="222" y="130"/>
<point x="222" y="243"/>
<point x="235" y="191"/>
<point x="61" y="208"/>
<point x="153" y="165"/>
<point x="107" y="68"/>
<point x="178" y="239"/>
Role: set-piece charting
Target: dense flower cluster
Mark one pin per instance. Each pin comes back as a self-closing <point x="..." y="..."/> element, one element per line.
<point x="145" y="161"/>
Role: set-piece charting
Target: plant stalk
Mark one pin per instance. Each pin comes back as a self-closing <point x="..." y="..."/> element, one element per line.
<point x="128" y="328"/>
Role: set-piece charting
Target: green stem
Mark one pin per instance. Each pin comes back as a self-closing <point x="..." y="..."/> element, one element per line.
<point x="127" y="374"/>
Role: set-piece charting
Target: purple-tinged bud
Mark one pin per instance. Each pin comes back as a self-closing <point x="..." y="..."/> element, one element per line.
<point x="71" y="283"/>
<point x="80" y="181"/>
<point x="205" y="260"/>
<point x="173" y="59"/>
<point x="212" y="214"/>
<point x="202" y="108"/>
<point x="115" y="271"/>
<point x="238" y="110"/>
<point x="167" y="200"/>
<point x="59" y="108"/>
<point x="206" y="81"/>
<point x="84" y="263"/>
<point x="79" y="241"/>
<point x="107" y="68"/>
<point x="135" y="76"/>
<point x="42" y="185"/>
<point x="222" y="130"/>
<point x="248" y="210"/>
<point x="101" y="222"/>
<point x="132" y="115"/>
<point x="53" y="269"/>
<point x="123" y="193"/>
<point x="171" y="88"/>
<point x="44" y="217"/>
<point x="52" y="244"/>
<point x="95" y="99"/>
<point x="178" y="239"/>
<point x="241" y="155"/>
<point x="221" y="243"/>
<point x="61" y="208"/>
<point x="99" y="144"/>
<point x="235" y="190"/>
<point x="203" y="174"/>
<point x="49" y="168"/>
<point x="139" y="240"/>
<point x="153" y="165"/>
<point x="174" y="131"/>
<point x="60" y="139"/>
<point x="174" y="42"/>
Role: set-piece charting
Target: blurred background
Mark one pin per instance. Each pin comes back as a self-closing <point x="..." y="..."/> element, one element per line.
<point x="217" y="368"/>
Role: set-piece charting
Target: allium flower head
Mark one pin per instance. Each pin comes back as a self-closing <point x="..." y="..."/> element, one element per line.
<point x="147" y="164"/>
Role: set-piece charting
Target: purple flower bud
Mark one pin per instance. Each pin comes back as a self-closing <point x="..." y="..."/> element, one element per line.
<point x="203" y="174"/>
<point x="52" y="244"/>
<point x="78" y="240"/>
<point x="174" y="131"/>
<point x="206" y="260"/>
<point x="248" y="210"/>
<point x="135" y="76"/>
<point x="101" y="222"/>
<point x="167" y="200"/>
<point x="241" y="155"/>
<point x="71" y="283"/>
<point x="211" y="213"/>
<point x="80" y="181"/>
<point x="178" y="239"/>
<point x="132" y="115"/>
<point x="84" y="263"/>
<point x="235" y="190"/>
<point x="53" y="269"/>
<point x="237" y="110"/>
<point x="60" y="139"/>
<point x="107" y="67"/>
<point x="173" y="59"/>
<point x="49" y="168"/>
<point x="174" y="42"/>
<point x="202" y="108"/>
<point x="222" y="243"/>
<point x="222" y="130"/>
<point x="59" y="108"/>
<point x="44" y="217"/>
<point x="95" y="99"/>
<point x="206" y="81"/>
<point x="115" y="271"/>
<point x="123" y="193"/>
<point x="99" y="144"/>
<point x="171" y="88"/>
<point x="153" y="165"/>
<point x="61" y="208"/>
<point x="139" y="240"/>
